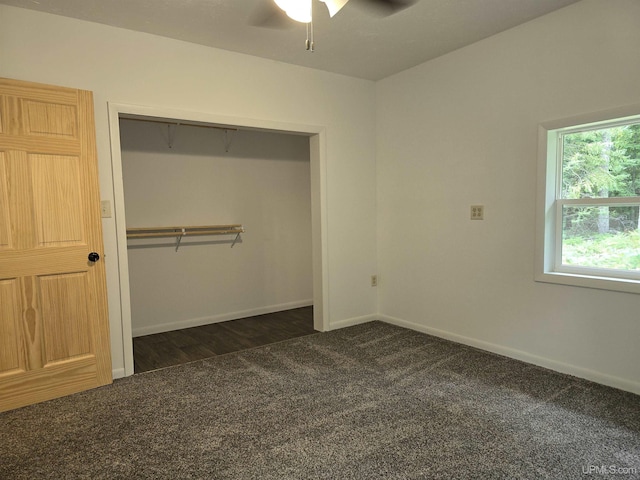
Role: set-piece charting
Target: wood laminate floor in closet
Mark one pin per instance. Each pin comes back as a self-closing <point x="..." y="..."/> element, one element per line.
<point x="160" y="350"/>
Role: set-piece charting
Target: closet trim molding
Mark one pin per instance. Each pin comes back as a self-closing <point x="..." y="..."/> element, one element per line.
<point x="318" y="167"/>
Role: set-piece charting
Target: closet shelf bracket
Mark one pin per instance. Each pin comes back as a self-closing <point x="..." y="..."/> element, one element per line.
<point x="228" y="139"/>
<point x="179" y="238"/>
<point x="171" y="134"/>
<point x="235" y="240"/>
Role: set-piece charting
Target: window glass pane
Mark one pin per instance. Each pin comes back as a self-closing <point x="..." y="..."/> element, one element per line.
<point x="601" y="237"/>
<point x="601" y="163"/>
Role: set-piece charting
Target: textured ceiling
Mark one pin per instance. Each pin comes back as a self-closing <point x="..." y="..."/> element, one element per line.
<point x="357" y="42"/>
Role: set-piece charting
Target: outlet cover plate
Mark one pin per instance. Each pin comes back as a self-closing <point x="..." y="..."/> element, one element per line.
<point x="477" y="212"/>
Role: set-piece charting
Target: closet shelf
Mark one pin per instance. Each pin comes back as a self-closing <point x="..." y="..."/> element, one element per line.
<point x="185" y="231"/>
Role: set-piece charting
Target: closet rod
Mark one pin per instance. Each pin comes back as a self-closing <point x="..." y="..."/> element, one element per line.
<point x="180" y="122"/>
<point x="187" y="234"/>
<point x="184" y="231"/>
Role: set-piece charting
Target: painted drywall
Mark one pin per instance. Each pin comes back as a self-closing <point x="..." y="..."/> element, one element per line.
<point x="126" y="67"/>
<point x="456" y="131"/>
<point x="462" y="130"/>
<point x="262" y="182"/>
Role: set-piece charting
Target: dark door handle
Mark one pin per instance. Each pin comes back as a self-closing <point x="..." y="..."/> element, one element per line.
<point x="94" y="257"/>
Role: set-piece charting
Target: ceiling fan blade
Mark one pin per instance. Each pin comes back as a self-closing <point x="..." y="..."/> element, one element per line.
<point x="334" y="6"/>
<point x="268" y="15"/>
<point x="387" y="7"/>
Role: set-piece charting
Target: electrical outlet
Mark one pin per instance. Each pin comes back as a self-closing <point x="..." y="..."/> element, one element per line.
<point x="374" y="280"/>
<point x="477" y="212"/>
<point x="105" y="208"/>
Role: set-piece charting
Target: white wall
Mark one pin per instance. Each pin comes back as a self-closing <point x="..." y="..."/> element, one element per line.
<point x="462" y="130"/>
<point x="262" y="182"/>
<point x="453" y="132"/>
<point x="127" y="67"/>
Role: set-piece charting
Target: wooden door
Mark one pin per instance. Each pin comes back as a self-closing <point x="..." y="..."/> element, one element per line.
<point x="54" y="334"/>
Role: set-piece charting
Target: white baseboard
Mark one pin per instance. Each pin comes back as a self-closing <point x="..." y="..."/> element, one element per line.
<point x="197" y="322"/>
<point x="349" y="322"/>
<point x="117" y="373"/>
<point x="587" y="374"/>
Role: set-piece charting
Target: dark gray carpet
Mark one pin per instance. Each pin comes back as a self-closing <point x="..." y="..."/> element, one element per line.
<point x="368" y="402"/>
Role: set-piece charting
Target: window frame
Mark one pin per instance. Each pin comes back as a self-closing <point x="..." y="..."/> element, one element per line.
<point x="548" y="256"/>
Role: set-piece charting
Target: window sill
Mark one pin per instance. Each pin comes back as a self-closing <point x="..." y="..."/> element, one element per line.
<point x="589" y="281"/>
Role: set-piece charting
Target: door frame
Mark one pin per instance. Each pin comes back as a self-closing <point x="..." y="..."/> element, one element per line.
<point x="318" y="164"/>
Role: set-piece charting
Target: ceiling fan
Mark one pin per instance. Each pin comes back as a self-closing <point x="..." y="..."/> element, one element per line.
<point x="302" y="11"/>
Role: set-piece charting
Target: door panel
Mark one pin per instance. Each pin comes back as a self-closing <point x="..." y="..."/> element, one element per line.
<point x="11" y="356"/>
<point x="31" y="331"/>
<point x="50" y="119"/>
<point x="19" y="194"/>
<point x="67" y="330"/>
<point x="54" y="335"/>
<point x="5" y="238"/>
<point x="57" y="205"/>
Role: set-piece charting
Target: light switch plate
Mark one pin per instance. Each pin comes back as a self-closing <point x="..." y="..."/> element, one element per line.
<point x="105" y="208"/>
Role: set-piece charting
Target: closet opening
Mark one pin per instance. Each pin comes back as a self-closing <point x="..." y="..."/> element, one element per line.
<point x="219" y="236"/>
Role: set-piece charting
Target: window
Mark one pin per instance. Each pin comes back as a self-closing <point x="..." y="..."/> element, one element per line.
<point x="589" y="205"/>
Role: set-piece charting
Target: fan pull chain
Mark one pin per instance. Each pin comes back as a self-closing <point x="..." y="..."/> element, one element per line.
<point x="309" y="43"/>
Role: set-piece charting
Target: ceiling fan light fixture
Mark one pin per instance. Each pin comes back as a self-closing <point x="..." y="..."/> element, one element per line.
<point x="298" y="10"/>
<point x="334" y="6"/>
